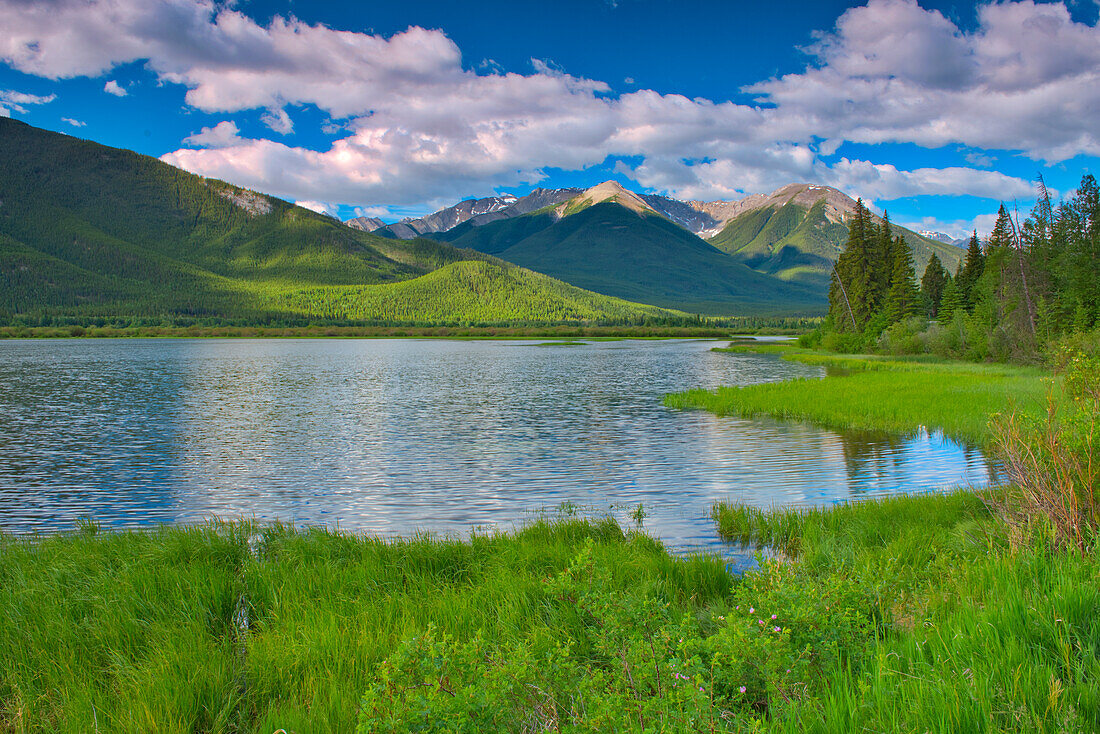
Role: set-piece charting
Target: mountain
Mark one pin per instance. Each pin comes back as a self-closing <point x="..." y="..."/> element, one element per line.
<point x="797" y="232"/>
<point x="366" y="224"/>
<point x="794" y="233"/>
<point x="88" y="231"/>
<point x="611" y="241"/>
<point x="477" y="211"/>
<point x="945" y="238"/>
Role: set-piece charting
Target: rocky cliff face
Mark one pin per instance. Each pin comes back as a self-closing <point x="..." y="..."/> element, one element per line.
<point x="704" y="218"/>
<point x="366" y="224"/>
<point x="480" y="211"/>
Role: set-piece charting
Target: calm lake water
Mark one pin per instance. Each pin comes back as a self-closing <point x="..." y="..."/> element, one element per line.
<point x="396" y="436"/>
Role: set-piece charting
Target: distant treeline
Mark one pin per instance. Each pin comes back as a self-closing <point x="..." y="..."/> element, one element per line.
<point x="1031" y="284"/>
<point x="50" y="327"/>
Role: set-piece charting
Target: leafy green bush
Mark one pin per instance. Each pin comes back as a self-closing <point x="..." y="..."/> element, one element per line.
<point x="631" y="664"/>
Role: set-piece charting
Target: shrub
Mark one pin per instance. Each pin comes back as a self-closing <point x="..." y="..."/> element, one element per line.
<point x="1053" y="461"/>
<point x="629" y="663"/>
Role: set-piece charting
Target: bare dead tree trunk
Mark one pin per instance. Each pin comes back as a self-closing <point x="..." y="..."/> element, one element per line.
<point x="1023" y="275"/>
<point x="847" y="303"/>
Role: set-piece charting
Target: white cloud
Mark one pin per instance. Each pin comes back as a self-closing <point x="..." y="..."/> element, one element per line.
<point x="1027" y="79"/>
<point x="112" y="87"/>
<point x="373" y="211"/>
<point x="222" y="135"/>
<point x="74" y="123"/>
<point x="957" y="228"/>
<point x="317" y="206"/>
<point x="885" y="182"/>
<point x="12" y="101"/>
<point x="422" y="127"/>
<point x="278" y="120"/>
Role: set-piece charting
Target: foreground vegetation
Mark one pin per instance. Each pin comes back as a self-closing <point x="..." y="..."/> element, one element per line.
<point x="242" y="628"/>
<point x="955" y="628"/>
<point x="884" y="394"/>
<point x="884" y="622"/>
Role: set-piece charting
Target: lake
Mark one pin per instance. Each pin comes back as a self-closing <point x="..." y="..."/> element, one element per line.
<point x="397" y="436"/>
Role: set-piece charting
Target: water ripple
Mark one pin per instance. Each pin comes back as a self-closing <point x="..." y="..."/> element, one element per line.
<point x="395" y="436"/>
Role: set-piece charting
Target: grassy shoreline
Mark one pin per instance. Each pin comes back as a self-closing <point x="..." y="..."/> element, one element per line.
<point x="880" y="620"/>
<point x="868" y="392"/>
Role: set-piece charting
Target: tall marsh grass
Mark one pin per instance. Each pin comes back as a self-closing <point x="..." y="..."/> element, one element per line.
<point x="970" y="632"/>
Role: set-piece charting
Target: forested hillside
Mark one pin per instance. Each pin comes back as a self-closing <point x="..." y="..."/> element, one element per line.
<point x="1029" y="285"/>
<point x="91" y="232"/>
<point x="637" y="255"/>
<point x="800" y="243"/>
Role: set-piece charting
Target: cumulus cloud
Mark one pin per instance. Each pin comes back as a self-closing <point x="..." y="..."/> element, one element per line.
<point x="317" y="206"/>
<point x="278" y="120"/>
<point x="1027" y="79"/>
<point x="420" y="126"/>
<point x="12" y="101"/>
<point x="957" y="228"/>
<point x="884" y="181"/>
<point x="112" y="87"/>
<point x="372" y="211"/>
<point x="223" y="135"/>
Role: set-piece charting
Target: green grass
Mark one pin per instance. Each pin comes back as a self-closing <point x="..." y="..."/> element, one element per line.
<point x="970" y="634"/>
<point x="882" y="394"/>
<point x="138" y="631"/>
<point x="909" y="614"/>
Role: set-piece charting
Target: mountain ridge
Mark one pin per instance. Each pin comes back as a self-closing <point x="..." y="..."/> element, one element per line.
<point x="93" y="232"/>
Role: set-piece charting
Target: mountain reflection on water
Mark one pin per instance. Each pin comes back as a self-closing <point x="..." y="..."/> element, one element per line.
<point x="397" y="436"/>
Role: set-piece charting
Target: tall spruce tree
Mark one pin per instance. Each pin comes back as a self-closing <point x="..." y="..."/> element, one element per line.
<point x="903" y="298"/>
<point x="970" y="271"/>
<point x="932" y="284"/>
<point x="950" y="302"/>
<point x="851" y="289"/>
<point x="881" y="255"/>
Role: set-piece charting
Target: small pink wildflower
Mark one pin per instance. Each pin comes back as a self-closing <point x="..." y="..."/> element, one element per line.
<point x="773" y="616"/>
<point x="777" y="629"/>
<point x="742" y="689"/>
<point x="752" y="610"/>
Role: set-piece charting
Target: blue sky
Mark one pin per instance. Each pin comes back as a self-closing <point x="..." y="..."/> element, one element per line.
<point x="932" y="111"/>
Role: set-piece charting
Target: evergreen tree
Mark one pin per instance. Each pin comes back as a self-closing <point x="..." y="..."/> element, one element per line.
<point x="851" y="288"/>
<point x="902" y="300"/>
<point x="881" y="262"/>
<point x="950" y="302"/>
<point x="1001" y="236"/>
<point x="932" y="284"/>
<point x="970" y="270"/>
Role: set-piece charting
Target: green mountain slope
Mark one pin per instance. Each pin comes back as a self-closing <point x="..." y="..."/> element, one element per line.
<point x="636" y="255"/>
<point x="800" y="244"/>
<point x="91" y="231"/>
<point x="469" y="292"/>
